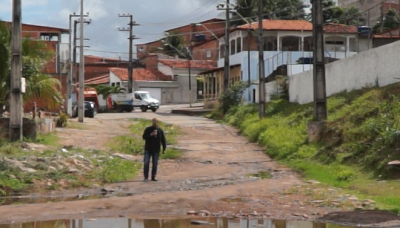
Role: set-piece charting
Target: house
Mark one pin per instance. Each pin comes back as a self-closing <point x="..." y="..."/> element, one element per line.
<point x="169" y="82"/>
<point x="57" y="66"/>
<point x="288" y="47"/>
<point x="201" y="36"/>
<point x="386" y="37"/>
<point x="96" y="66"/>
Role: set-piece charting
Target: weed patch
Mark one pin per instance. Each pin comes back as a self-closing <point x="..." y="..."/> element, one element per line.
<point x="134" y="144"/>
<point x="362" y="135"/>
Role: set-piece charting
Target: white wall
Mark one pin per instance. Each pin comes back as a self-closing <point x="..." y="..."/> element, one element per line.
<point x="114" y="78"/>
<point x="377" y="66"/>
<point x="167" y="70"/>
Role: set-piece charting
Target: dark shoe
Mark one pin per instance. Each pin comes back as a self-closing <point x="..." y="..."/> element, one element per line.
<point x="145" y="180"/>
<point x="154" y="179"/>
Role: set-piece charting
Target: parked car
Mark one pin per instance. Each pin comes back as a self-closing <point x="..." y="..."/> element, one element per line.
<point x="90" y="109"/>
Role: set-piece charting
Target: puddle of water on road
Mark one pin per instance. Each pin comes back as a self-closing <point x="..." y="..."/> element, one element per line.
<point x="171" y="223"/>
<point x="261" y="174"/>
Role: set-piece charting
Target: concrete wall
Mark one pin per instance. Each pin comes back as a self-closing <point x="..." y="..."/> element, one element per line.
<point x="173" y="92"/>
<point x="378" y="66"/>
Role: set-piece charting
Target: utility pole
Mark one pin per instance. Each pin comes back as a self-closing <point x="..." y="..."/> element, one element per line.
<point x="131" y="82"/>
<point x="190" y="74"/>
<point x="81" y="101"/>
<point x="261" y="66"/>
<point x="381" y="22"/>
<point x="226" y="66"/>
<point x="227" y="51"/>
<point x="248" y="63"/>
<point x="320" y="109"/>
<point x="70" y="68"/>
<point x="15" y="131"/>
<point x="73" y="75"/>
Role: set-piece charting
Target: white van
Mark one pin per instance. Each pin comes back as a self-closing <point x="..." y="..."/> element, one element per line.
<point x="144" y="101"/>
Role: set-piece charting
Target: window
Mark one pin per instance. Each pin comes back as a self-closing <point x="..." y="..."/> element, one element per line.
<point x="118" y="83"/>
<point x="208" y="53"/>
<point x="222" y="51"/>
<point x="233" y="47"/>
<point x="137" y="96"/>
<point x="334" y="42"/>
<point x="239" y="45"/>
<point x="113" y="84"/>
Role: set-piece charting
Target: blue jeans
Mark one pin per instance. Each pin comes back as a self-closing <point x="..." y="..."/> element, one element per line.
<point x="154" y="158"/>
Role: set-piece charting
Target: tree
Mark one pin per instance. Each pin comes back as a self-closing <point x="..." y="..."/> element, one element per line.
<point x="351" y="16"/>
<point x="331" y="12"/>
<point x="390" y="21"/>
<point x="5" y="39"/>
<point x="34" y="56"/>
<point x="106" y="90"/>
<point x="177" y="41"/>
<point x="272" y="9"/>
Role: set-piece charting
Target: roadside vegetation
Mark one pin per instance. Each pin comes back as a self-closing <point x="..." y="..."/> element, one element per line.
<point x="362" y="135"/>
<point x="43" y="164"/>
<point x="133" y="144"/>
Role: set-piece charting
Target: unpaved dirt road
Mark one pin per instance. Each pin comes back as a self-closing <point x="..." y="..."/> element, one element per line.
<point x="212" y="175"/>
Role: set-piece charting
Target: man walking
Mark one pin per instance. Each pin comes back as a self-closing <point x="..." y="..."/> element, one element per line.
<point x="154" y="137"/>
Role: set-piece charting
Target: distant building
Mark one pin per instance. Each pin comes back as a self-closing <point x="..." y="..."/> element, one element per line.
<point x="57" y="66"/>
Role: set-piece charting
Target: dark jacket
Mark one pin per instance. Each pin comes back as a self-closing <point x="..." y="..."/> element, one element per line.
<point x="153" y="143"/>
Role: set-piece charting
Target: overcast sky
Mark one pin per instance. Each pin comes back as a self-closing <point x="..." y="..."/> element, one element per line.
<point x="155" y="16"/>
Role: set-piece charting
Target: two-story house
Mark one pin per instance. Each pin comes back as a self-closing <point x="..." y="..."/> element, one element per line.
<point x="288" y="47"/>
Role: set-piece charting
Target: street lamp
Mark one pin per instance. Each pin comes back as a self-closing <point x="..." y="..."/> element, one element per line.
<point x="208" y="30"/>
<point x="188" y="57"/>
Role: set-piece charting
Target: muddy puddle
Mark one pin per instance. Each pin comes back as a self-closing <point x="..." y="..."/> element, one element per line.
<point x="170" y="223"/>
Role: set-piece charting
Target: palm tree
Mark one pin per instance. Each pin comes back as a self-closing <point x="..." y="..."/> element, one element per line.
<point x="106" y="90"/>
<point x="177" y="41"/>
<point x="34" y="56"/>
<point x="5" y="39"/>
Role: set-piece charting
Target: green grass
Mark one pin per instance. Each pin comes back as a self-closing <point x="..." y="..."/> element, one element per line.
<point x="134" y="144"/>
<point x="78" y="126"/>
<point x="362" y="135"/>
<point x="171" y="153"/>
<point x="48" y="140"/>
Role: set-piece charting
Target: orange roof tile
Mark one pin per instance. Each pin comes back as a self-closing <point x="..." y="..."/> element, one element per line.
<point x="200" y="64"/>
<point x="138" y="74"/>
<point x="104" y="79"/>
<point x="340" y="28"/>
<point x="281" y="25"/>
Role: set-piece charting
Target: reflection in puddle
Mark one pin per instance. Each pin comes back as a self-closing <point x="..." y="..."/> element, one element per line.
<point x="170" y="223"/>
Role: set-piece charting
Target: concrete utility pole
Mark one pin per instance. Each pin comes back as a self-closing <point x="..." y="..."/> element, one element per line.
<point x="81" y="101"/>
<point x="73" y="74"/>
<point x="381" y="22"/>
<point x="70" y="68"/>
<point x="227" y="51"/>
<point x="248" y="63"/>
<point x="190" y="74"/>
<point x="131" y="81"/>
<point x="15" y="131"/>
<point x="320" y="109"/>
<point x="261" y="66"/>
